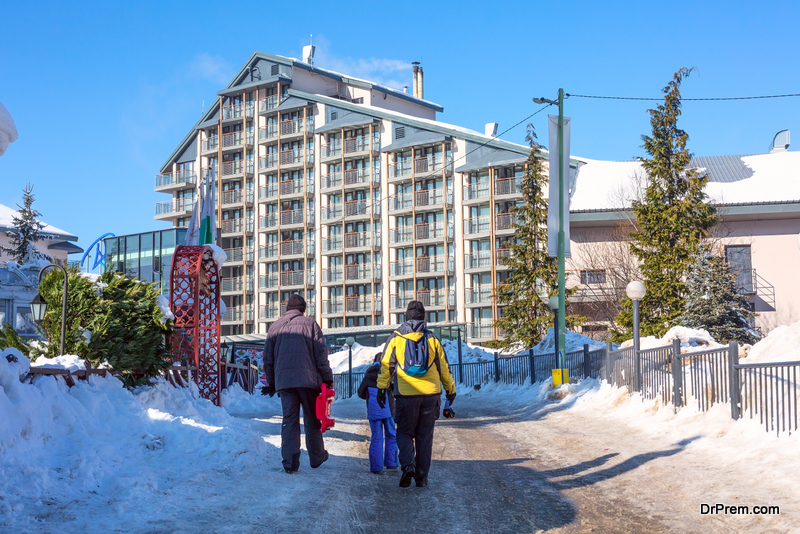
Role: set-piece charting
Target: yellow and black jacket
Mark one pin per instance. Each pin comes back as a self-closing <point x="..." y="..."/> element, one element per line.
<point x="393" y="359"/>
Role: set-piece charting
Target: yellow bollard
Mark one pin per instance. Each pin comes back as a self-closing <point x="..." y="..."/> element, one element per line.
<point x="560" y="376"/>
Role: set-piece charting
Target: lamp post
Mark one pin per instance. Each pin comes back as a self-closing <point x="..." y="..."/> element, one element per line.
<point x="350" y="342"/>
<point x="552" y="303"/>
<point x="636" y="291"/>
<point x="39" y="306"/>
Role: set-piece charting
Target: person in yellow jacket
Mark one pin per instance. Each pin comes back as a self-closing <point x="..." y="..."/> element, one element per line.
<point x="415" y="364"/>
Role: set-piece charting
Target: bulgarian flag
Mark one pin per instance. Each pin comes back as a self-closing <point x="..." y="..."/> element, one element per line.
<point x="208" y="214"/>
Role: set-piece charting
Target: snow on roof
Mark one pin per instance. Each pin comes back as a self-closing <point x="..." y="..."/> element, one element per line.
<point x="605" y="185"/>
<point x="6" y="223"/>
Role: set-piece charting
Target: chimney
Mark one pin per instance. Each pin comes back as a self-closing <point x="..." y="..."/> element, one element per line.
<point x="418" y="92"/>
<point x="308" y="54"/>
<point x="405" y="89"/>
<point x="491" y="129"/>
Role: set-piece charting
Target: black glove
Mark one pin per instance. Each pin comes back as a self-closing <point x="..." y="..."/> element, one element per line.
<point x="450" y="397"/>
<point x="269" y="389"/>
<point x="329" y="383"/>
<point x="381" y="398"/>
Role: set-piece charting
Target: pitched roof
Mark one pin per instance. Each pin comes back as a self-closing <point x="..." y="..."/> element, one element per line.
<point x="6" y="223"/>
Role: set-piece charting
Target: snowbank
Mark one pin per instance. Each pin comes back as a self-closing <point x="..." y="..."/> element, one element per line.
<point x="362" y="357"/>
<point x="692" y="340"/>
<point x="780" y="345"/>
<point x="67" y="361"/>
<point x="574" y="342"/>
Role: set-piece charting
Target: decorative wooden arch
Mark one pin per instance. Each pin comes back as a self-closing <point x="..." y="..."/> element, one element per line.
<point x="194" y="300"/>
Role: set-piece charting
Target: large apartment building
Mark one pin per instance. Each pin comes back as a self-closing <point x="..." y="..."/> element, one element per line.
<point x="353" y="195"/>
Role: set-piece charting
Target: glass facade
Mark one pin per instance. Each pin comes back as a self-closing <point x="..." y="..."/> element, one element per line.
<point x="146" y="256"/>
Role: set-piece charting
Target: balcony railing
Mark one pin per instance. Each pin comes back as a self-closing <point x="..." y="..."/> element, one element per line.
<point x="237" y="111"/>
<point x="331" y="212"/>
<point x="174" y="206"/>
<point x="476" y="190"/>
<point x="295" y="126"/>
<point x="477" y="225"/>
<point x="332" y="274"/>
<point x="333" y="306"/>
<point x="239" y="254"/>
<point x="231" y="226"/>
<point x="270" y="311"/>
<point x="436" y="297"/>
<point x="400" y="169"/>
<point x="361" y="176"/>
<point x="233" y="314"/>
<point x="270" y="161"/>
<point x="268" y="251"/>
<point x="292" y="216"/>
<point x="480" y="330"/>
<point x="331" y="150"/>
<point x="293" y="187"/>
<point x="268" y="281"/>
<point x="235" y="139"/>
<point x="176" y="178"/>
<point x="401" y="201"/>
<point x="268" y="132"/>
<point x="297" y="246"/>
<point x="404" y="267"/>
<point x="358" y="144"/>
<point x="434" y="264"/>
<point x="209" y="143"/>
<point x="478" y="260"/>
<point x="478" y="295"/>
<point x="296" y="156"/>
<point x="231" y="168"/>
<point x="508" y="186"/>
<point x="360" y="239"/>
<point x="240" y="283"/>
<point x="361" y="271"/>
<point x="236" y="196"/>
<point x="331" y="180"/>
<point x="501" y="254"/>
<point x="432" y="197"/>
<point x="505" y="221"/>
<point x="332" y="243"/>
<point x="356" y="207"/>
<point x="402" y="234"/>
<point x="268" y="221"/>
<point x="434" y="230"/>
<point x="399" y="301"/>
<point x="429" y="164"/>
<point x="268" y="191"/>
<point x="296" y="278"/>
<point x="358" y="303"/>
<point x="268" y="103"/>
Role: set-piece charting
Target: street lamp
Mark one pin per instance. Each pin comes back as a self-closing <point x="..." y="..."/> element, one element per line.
<point x="39" y="306"/>
<point x="350" y="342"/>
<point x="636" y="291"/>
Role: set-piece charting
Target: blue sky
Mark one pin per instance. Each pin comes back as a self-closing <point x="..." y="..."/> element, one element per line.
<point x="102" y="92"/>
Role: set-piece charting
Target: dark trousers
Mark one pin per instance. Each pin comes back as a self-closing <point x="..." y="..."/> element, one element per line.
<point x="416" y="417"/>
<point x="292" y="400"/>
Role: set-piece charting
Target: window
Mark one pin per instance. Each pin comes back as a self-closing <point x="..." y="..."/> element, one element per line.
<point x="593" y="277"/>
<point x="359" y="100"/>
<point x="740" y="262"/>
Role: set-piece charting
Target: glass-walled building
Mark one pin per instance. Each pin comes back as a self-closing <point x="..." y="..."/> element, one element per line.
<point x="146" y="256"/>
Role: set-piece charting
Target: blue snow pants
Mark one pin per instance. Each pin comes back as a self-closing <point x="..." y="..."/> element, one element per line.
<point x="382" y="452"/>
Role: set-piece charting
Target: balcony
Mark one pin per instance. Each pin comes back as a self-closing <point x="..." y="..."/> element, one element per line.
<point x="328" y="151"/>
<point x="435" y="230"/>
<point x="175" y="180"/>
<point x="333" y="306"/>
<point x="236" y="196"/>
<point x="297" y="278"/>
<point x="332" y="275"/>
<point x="437" y="298"/>
<point x="236" y="226"/>
<point x="268" y="281"/>
<point x="237" y="285"/>
<point x="233" y="315"/>
<point x="294" y="127"/>
<point x="357" y="208"/>
<point x="402" y="234"/>
<point x="477" y="191"/>
<point x="332" y="243"/>
<point x="268" y="103"/>
<point x="296" y="157"/>
<point x="235" y="168"/>
<point x="399" y="301"/>
<point x="508" y="186"/>
<point x="268" y="251"/>
<point x="269" y="312"/>
<point x="478" y="225"/>
<point x="297" y="247"/>
<point x="401" y="170"/>
<point x="209" y="144"/>
<point x="268" y="162"/>
<point x="361" y="176"/>
<point x="177" y="207"/>
<point x="297" y="187"/>
<point x="354" y="240"/>
<point x="331" y="180"/>
<point x="268" y="133"/>
<point x="358" y="304"/>
<point x="236" y="140"/>
<point x="478" y="295"/>
<point x="501" y="254"/>
<point x="268" y="221"/>
<point x="478" y="260"/>
<point x="268" y="191"/>
<point x="505" y="221"/>
<point x="432" y="198"/>
<point x="361" y="146"/>
<point x="332" y="212"/>
<point x="404" y="267"/>
<point x="401" y="202"/>
<point x="361" y="271"/>
<point x="296" y="217"/>
<point x="429" y="165"/>
<point x="237" y="111"/>
<point x="238" y="255"/>
<point x="434" y="264"/>
<point x="481" y="330"/>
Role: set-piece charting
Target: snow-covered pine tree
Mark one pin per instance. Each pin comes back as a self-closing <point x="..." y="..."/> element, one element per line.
<point x="714" y="304"/>
<point x="525" y="317"/>
<point x="672" y="220"/>
<point x="27" y="230"/>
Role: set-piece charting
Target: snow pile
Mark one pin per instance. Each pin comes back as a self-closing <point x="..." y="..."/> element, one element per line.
<point x="67" y="361"/>
<point x="97" y="443"/>
<point x="166" y="313"/>
<point x="574" y="342"/>
<point x="23" y="364"/>
<point x="692" y="340"/>
<point x="780" y="345"/>
<point x="469" y="353"/>
<point x="235" y="400"/>
<point x="362" y="357"/>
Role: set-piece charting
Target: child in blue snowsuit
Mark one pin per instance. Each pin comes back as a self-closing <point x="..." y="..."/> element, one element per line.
<point x="382" y="452"/>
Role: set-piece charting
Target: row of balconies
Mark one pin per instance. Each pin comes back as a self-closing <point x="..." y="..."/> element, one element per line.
<point x="352" y="304"/>
<point x="362" y="271"/>
<point x="351" y="240"/>
<point x="502" y="186"/>
<point x="435" y="298"/>
<point x="236" y="196"/>
<point x="294" y="157"/>
<point x="350" y="177"/>
<point x="483" y="259"/>
<point x="352" y="147"/>
<point x="422" y="265"/>
<point x="482" y="224"/>
<point x="290" y="247"/>
<point x="286" y="218"/>
<point x="422" y="231"/>
<point x="287" y="188"/>
<point x="420" y="167"/>
<point x="286" y="279"/>
<point x="422" y="199"/>
<point x="239" y="255"/>
<point x="350" y="208"/>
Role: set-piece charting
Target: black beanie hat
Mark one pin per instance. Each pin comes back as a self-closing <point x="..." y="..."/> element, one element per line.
<point x="296" y="302"/>
<point x="415" y="311"/>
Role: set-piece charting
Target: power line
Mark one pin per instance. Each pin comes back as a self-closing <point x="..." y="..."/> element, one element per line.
<point x="685" y="99"/>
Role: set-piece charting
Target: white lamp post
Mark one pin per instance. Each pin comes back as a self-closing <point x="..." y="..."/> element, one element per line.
<point x="636" y="291"/>
<point x="350" y="342"/>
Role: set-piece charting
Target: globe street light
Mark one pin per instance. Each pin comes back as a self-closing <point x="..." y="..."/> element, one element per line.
<point x="350" y="342"/>
<point x="636" y="291"/>
<point x="39" y="306"/>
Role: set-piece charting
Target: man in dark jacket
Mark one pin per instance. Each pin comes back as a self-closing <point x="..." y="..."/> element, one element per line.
<point x="295" y="365"/>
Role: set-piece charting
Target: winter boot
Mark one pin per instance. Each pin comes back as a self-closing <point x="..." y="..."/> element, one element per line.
<point x="324" y="459"/>
<point x="408" y="474"/>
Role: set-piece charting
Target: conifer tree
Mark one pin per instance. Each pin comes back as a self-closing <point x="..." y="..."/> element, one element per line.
<point x="525" y="317"/>
<point x="672" y="220"/>
<point x="27" y="230"/>
<point x="714" y="304"/>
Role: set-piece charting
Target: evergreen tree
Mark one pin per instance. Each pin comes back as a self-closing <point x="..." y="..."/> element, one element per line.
<point x="525" y="317"/>
<point x="672" y="220"/>
<point x="714" y="304"/>
<point x="27" y="230"/>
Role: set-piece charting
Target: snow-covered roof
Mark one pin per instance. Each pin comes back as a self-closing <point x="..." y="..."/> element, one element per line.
<point x="609" y="185"/>
<point x="6" y="223"/>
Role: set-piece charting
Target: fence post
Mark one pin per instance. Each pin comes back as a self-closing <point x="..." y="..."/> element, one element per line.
<point x="587" y="368"/>
<point x="609" y="363"/>
<point x="733" y="374"/>
<point x="496" y="368"/>
<point x="677" y="377"/>
<point x="460" y="363"/>
<point x="533" y="367"/>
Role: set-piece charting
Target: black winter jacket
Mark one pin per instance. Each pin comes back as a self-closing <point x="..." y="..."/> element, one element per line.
<point x="295" y="354"/>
